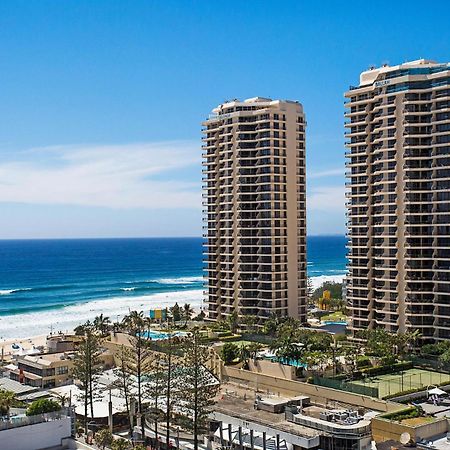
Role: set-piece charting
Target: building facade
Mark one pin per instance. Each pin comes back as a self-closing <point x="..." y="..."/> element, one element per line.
<point x="254" y="210"/>
<point x="398" y="199"/>
<point x="47" y="370"/>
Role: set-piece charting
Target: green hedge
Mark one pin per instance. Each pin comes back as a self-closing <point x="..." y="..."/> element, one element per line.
<point x="382" y="370"/>
<point x="362" y="362"/>
<point x="407" y="413"/>
<point x="233" y="337"/>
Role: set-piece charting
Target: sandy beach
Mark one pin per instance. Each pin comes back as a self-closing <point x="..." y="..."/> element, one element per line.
<point x="25" y="343"/>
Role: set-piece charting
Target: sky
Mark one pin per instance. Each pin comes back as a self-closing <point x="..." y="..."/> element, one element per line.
<point x="101" y="102"/>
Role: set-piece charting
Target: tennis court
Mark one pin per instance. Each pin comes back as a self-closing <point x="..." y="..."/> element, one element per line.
<point x="393" y="383"/>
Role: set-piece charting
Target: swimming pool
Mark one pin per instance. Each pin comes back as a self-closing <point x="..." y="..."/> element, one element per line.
<point x="161" y="335"/>
<point x="288" y="362"/>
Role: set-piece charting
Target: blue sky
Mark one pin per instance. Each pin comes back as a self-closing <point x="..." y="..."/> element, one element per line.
<point x="101" y="101"/>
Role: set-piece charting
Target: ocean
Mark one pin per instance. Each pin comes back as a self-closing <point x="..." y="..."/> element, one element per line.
<point x="53" y="285"/>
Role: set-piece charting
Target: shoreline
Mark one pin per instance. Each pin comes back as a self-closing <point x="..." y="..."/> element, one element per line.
<point x="17" y="328"/>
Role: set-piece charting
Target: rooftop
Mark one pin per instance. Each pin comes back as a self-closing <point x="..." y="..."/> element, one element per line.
<point x="16" y="387"/>
<point x="416" y="67"/>
<point x="294" y="415"/>
<point x="244" y="409"/>
<point x="45" y="359"/>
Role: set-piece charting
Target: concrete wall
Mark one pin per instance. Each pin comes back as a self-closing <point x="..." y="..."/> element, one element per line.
<point x="36" y="437"/>
<point x="383" y="430"/>
<point x="286" y="387"/>
<point x="272" y="368"/>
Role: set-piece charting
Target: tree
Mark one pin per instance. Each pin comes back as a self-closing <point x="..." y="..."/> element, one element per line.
<point x="444" y="358"/>
<point x="103" y="438"/>
<point x="101" y="324"/>
<point x="250" y="322"/>
<point x="271" y="325"/>
<point x="188" y="312"/>
<point x="229" y="352"/>
<point x="248" y="351"/>
<point x="41" y="406"/>
<point x="334" y="288"/>
<point x="156" y="391"/>
<point x="199" y="385"/>
<point x="7" y="400"/>
<point x="137" y="325"/>
<point x="381" y="343"/>
<point x="172" y="393"/>
<point x="309" y="290"/>
<point x="87" y="369"/>
<point x="80" y="330"/>
<point x="200" y="317"/>
<point x="125" y="381"/>
<point x="120" y="444"/>
<point x="233" y="321"/>
<point x="175" y="311"/>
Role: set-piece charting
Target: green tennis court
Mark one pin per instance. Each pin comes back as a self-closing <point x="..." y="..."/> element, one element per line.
<point x="393" y="383"/>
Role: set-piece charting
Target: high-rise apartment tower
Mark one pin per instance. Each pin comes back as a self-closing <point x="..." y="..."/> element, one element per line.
<point x="254" y="205"/>
<point x="398" y="161"/>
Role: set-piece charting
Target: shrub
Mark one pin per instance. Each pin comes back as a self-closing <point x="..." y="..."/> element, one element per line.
<point x="41" y="406"/>
<point x="232" y="338"/>
<point x="407" y="413"/>
<point x="229" y="352"/>
<point x="362" y="361"/>
<point x="120" y="444"/>
<point x="103" y="438"/>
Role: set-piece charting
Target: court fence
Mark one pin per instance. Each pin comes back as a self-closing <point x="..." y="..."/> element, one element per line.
<point x="347" y="386"/>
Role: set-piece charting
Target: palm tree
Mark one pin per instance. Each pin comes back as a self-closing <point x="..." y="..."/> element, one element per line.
<point x="102" y="323"/>
<point x="271" y="325"/>
<point x="7" y="399"/>
<point x="187" y="313"/>
<point x="134" y="322"/>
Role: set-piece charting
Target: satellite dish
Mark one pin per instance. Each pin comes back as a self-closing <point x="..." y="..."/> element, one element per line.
<point x="405" y="438"/>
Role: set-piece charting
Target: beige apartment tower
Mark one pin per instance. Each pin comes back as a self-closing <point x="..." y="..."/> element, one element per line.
<point x="254" y="210"/>
<point x="398" y="170"/>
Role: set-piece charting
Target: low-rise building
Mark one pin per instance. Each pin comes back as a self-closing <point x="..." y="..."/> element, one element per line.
<point x="43" y="431"/>
<point x="261" y="422"/>
<point x="44" y="371"/>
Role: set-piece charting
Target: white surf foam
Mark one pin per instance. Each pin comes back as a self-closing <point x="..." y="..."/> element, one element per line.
<point x="128" y="289"/>
<point x="12" y="291"/>
<point x="65" y="319"/>
<point x="181" y="280"/>
<point x="317" y="282"/>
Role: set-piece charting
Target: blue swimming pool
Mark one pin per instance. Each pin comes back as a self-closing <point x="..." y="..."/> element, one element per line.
<point x="161" y="335"/>
<point x="288" y="362"/>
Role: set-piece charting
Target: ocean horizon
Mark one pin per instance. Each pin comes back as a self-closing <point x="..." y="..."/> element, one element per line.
<point x="54" y="284"/>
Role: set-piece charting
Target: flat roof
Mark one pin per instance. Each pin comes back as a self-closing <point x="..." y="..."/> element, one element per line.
<point x="16" y="387"/>
<point x="45" y="359"/>
<point x="244" y="409"/>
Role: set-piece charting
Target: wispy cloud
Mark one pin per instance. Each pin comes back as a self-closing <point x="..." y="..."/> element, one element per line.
<point x="327" y="198"/>
<point x="140" y="175"/>
<point x="327" y="173"/>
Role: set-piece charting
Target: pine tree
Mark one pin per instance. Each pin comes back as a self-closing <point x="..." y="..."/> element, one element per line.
<point x="87" y="369"/>
<point x="125" y="381"/>
<point x="156" y="391"/>
<point x="171" y="380"/>
<point x="199" y="386"/>
<point x="140" y="348"/>
<point x="175" y="311"/>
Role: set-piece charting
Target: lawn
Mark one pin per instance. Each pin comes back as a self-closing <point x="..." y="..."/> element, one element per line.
<point x="398" y="382"/>
<point x="336" y="316"/>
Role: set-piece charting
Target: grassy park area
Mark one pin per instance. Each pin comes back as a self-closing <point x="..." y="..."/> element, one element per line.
<point x="406" y="380"/>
